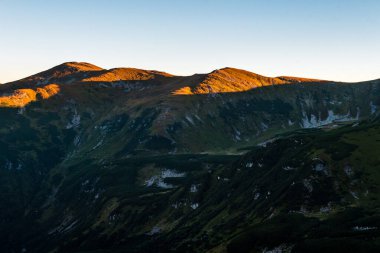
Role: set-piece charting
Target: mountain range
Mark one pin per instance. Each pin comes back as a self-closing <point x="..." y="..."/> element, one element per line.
<point x="131" y="160"/>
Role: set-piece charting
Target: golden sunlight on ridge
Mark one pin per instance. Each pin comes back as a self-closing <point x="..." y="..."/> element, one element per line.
<point x="229" y="80"/>
<point x="22" y="97"/>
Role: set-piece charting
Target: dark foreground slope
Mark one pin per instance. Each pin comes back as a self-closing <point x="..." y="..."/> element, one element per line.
<point x="308" y="191"/>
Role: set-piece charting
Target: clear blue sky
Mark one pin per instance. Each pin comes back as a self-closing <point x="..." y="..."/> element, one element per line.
<point x="328" y="39"/>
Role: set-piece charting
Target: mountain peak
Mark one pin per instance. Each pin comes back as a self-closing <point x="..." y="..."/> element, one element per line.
<point x="229" y="79"/>
<point x="78" y="66"/>
<point x="69" y="68"/>
<point x="125" y="74"/>
<point x="61" y="72"/>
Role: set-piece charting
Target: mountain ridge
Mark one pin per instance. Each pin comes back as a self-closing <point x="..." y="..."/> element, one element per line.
<point x="237" y="80"/>
<point x="218" y="81"/>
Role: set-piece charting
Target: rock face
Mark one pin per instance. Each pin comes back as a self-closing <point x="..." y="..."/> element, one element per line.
<point x="121" y="159"/>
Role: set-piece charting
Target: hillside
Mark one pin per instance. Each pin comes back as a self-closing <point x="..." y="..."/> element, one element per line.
<point x="131" y="160"/>
<point x="106" y="109"/>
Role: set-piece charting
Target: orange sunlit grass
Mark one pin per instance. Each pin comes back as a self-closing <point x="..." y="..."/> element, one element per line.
<point x="235" y="80"/>
<point x="22" y="97"/>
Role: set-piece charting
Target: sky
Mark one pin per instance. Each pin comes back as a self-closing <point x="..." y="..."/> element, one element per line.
<point x="327" y="39"/>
